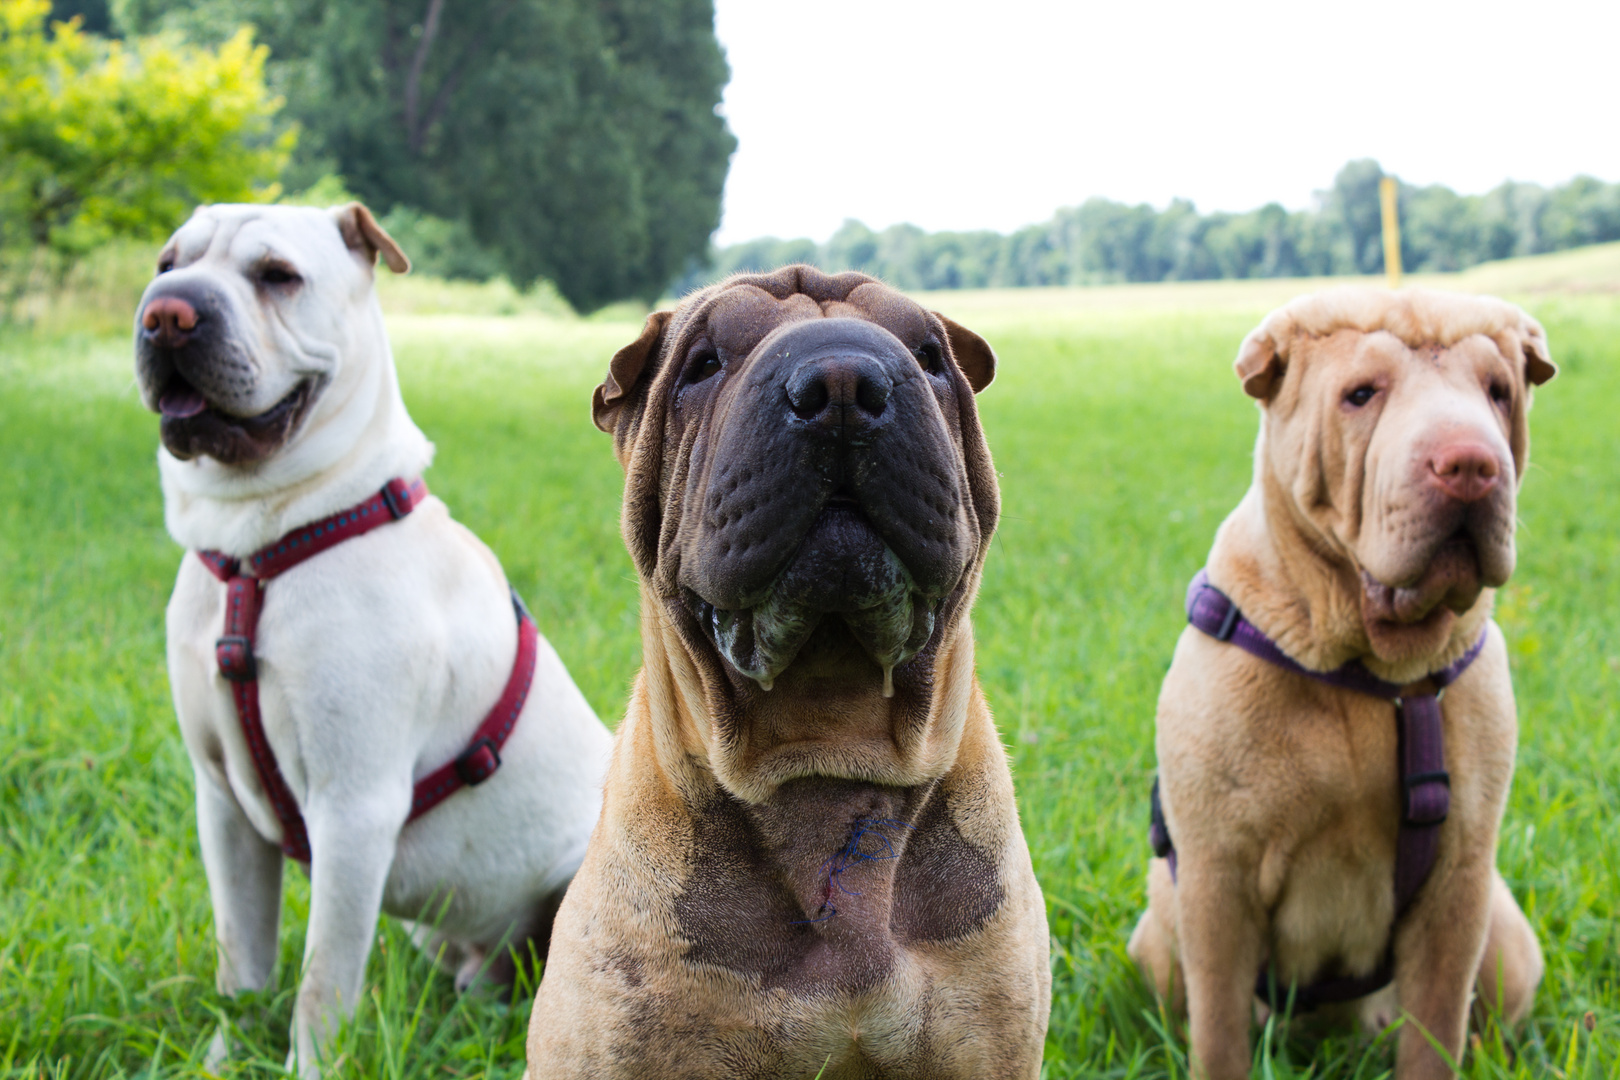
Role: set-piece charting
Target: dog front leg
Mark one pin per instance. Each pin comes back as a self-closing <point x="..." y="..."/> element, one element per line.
<point x="352" y="848"/>
<point x="1153" y="943"/>
<point x="1512" y="966"/>
<point x="1437" y="953"/>
<point x="1220" y="935"/>
<point x="244" y="885"/>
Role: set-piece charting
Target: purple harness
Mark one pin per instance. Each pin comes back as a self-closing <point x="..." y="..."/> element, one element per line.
<point x="1425" y="784"/>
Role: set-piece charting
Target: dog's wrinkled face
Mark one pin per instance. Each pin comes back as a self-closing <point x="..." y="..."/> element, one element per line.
<point x="1404" y="459"/>
<point x="809" y="495"/>
<point x="247" y="322"/>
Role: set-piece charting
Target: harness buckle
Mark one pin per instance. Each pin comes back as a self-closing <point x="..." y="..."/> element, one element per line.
<point x="478" y="762"/>
<point x="1228" y="622"/>
<point x="1432" y="808"/>
<point x="397" y="496"/>
<point x="234" y="654"/>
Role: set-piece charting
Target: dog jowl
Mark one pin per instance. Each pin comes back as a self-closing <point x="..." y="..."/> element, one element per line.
<point x="809" y="501"/>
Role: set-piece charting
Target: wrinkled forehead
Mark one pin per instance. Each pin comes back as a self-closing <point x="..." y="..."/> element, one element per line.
<point x="739" y="317"/>
<point x="1353" y="351"/>
<point x="240" y="234"/>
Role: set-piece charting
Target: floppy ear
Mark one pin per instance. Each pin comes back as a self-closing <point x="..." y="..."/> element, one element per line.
<point x="972" y="353"/>
<point x="624" y="371"/>
<point x="367" y="239"/>
<point x="1538" y="365"/>
<point x="1258" y="365"/>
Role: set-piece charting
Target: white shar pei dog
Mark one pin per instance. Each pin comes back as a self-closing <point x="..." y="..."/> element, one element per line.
<point x="363" y="685"/>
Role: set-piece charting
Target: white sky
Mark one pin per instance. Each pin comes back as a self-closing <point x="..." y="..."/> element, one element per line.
<point x="994" y="113"/>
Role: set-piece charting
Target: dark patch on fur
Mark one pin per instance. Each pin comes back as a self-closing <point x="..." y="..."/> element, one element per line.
<point x="628" y="967"/>
<point x="735" y="911"/>
<point x="945" y="888"/>
<point x="757" y="903"/>
<point x="739" y="911"/>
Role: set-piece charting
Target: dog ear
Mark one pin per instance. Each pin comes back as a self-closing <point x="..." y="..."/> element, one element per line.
<point x="368" y="239"/>
<point x="1538" y="365"/>
<point x="1258" y="365"/>
<point x="972" y="353"/>
<point x="625" y="370"/>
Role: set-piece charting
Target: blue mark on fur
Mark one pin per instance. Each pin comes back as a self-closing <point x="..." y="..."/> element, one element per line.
<point x="852" y="855"/>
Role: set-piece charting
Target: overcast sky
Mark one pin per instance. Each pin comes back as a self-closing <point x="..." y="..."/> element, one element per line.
<point x="994" y="113"/>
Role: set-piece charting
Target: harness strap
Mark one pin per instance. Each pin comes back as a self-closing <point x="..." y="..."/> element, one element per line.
<point x="1425" y="794"/>
<point x="482" y="757"/>
<point x="1213" y="612"/>
<point x="1425" y="784"/>
<point x="234" y="653"/>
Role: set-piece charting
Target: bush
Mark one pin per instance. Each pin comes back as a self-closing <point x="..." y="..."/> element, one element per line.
<point x="103" y="142"/>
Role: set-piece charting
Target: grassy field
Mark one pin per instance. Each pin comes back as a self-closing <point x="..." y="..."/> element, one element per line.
<point x="1121" y="438"/>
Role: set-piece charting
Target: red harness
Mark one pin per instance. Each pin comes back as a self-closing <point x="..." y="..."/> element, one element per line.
<point x="234" y="652"/>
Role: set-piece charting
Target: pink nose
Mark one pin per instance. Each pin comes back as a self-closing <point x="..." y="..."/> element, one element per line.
<point x="169" y="320"/>
<point x="1465" y="471"/>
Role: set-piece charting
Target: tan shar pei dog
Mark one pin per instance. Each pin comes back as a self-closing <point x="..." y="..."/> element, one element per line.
<point x="809" y="858"/>
<point x="1304" y="751"/>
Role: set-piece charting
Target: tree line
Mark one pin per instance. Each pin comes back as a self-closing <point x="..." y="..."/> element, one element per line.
<point x="1103" y="241"/>
<point x="573" y="140"/>
<point x="576" y="141"/>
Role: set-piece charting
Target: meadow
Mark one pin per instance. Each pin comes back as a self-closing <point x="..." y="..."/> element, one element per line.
<point x="1121" y="439"/>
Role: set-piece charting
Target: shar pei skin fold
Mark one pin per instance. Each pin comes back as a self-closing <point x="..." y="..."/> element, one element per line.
<point x="809" y="858"/>
<point x="1394" y="434"/>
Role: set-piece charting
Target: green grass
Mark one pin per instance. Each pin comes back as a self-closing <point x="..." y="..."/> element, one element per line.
<point x="1121" y="438"/>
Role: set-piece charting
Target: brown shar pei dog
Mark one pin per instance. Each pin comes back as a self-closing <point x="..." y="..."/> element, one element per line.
<point x="1393" y="438"/>
<point x="809" y="858"/>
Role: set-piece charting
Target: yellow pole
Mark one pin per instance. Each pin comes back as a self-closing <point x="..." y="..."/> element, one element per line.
<point x="1389" y="190"/>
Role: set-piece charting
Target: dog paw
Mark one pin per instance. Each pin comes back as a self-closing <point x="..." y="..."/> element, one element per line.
<point x="219" y="1050"/>
<point x="1379" y="1011"/>
<point x="305" y="1066"/>
<point x="471" y="971"/>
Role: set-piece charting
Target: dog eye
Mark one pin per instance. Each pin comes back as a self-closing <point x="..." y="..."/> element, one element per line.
<point x="165" y="264"/>
<point x="930" y="357"/>
<point x="277" y="274"/>
<point x="704" y="365"/>
<point x="1501" y="393"/>
<point x="1361" y="395"/>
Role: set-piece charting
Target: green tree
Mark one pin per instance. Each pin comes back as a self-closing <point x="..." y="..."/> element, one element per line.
<point x="102" y="141"/>
<point x="1440" y="230"/>
<point x="578" y="139"/>
<point x="1583" y="211"/>
<point x="1353" y="205"/>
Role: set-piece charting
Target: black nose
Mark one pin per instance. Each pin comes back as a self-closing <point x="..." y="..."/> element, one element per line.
<point x="841" y="389"/>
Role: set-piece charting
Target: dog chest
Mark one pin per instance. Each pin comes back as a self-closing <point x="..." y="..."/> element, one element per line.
<point x="822" y="888"/>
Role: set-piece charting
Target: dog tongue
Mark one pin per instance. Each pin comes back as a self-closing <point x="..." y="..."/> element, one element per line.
<point x="181" y="403"/>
